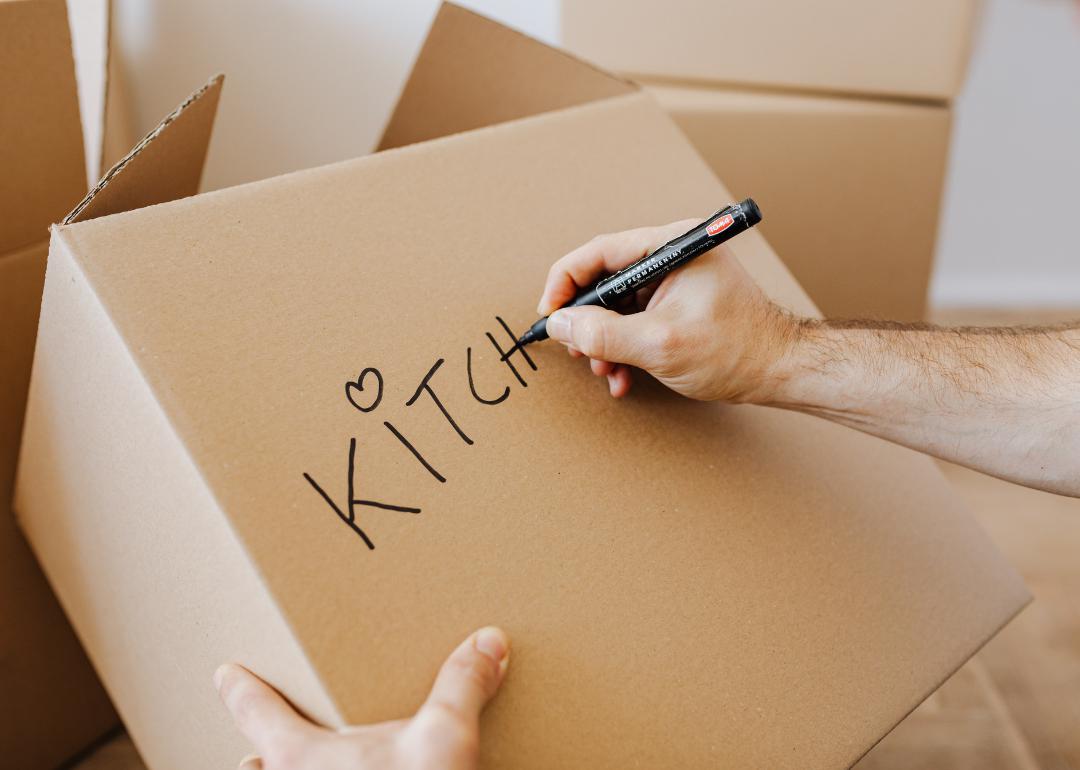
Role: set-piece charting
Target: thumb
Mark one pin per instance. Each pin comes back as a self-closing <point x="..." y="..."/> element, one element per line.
<point x="471" y="675"/>
<point x="603" y="334"/>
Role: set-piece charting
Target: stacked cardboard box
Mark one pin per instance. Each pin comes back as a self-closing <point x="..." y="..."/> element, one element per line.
<point x="51" y="704"/>
<point x="835" y="115"/>
<point x="252" y="464"/>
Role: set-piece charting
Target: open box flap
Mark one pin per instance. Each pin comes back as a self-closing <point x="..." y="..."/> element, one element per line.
<point x="166" y="165"/>
<point x="41" y="155"/>
<point x="474" y="72"/>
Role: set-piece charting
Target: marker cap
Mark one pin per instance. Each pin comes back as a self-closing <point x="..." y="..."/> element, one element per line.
<point x="752" y="212"/>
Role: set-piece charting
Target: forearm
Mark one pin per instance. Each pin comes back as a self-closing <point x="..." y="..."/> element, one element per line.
<point x="1003" y="401"/>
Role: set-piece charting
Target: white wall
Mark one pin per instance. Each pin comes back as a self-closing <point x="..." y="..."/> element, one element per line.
<point x="88" y="20"/>
<point x="1010" y="233"/>
<point x="312" y="82"/>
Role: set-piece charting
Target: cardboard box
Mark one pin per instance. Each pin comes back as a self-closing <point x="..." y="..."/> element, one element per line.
<point x="235" y="449"/>
<point x="51" y="704"/>
<point x="852" y="187"/>
<point x="914" y="49"/>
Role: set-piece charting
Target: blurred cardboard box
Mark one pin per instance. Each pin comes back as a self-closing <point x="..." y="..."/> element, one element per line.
<point x="851" y="187"/>
<point x="834" y="115"/>
<point x="51" y="704"/>
<point x="276" y="424"/>
<point x="913" y="49"/>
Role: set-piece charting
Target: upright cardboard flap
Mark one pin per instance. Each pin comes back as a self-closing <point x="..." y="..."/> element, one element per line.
<point x="473" y="72"/>
<point x="41" y="146"/>
<point x="166" y="165"/>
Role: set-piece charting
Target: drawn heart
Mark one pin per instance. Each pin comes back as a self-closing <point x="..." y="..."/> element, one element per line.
<point x="358" y="385"/>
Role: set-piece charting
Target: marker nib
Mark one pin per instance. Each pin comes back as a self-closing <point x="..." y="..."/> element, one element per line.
<point x="527" y="338"/>
<point x="535" y="333"/>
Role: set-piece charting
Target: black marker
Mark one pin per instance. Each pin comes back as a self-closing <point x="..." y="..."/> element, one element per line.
<point x="721" y="226"/>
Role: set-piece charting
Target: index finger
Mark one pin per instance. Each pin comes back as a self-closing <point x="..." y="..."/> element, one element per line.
<point x="604" y="254"/>
<point x="261" y="714"/>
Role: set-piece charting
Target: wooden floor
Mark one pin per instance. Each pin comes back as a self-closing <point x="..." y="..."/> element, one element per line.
<point x="1016" y="704"/>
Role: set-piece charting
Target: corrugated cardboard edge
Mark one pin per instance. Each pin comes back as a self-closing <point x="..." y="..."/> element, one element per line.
<point x="158" y="169"/>
<point x="460" y="39"/>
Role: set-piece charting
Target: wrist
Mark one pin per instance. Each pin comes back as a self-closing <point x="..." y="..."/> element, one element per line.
<point x="783" y="380"/>
<point x="782" y="359"/>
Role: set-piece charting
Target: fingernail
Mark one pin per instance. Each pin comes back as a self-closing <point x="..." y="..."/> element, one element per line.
<point x="558" y="326"/>
<point x="219" y="676"/>
<point x="540" y="306"/>
<point x="494" y="643"/>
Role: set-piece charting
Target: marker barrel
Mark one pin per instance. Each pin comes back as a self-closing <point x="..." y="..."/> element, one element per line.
<point x="720" y="227"/>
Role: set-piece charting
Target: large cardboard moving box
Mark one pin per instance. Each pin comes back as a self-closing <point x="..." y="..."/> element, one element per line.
<point x="294" y="441"/>
<point x="915" y="49"/>
<point x="51" y="704"/>
<point x="852" y="186"/>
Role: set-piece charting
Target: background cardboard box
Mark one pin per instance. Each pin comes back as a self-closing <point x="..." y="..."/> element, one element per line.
<point x="829" y="591"/>
<point x="51" y="704"/>
<point x="811" y="106"/>
<point x="915" y="49"/>
<point x="851" y="188"/>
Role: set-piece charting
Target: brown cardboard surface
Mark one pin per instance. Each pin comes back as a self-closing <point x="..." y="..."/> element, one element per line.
<point x="41" y="152"/>
<point x="851" y="187"/>
<point x="916" y="49"/>
<point x="51" y="705"/>
<point x="117" y="131"/>
<point x="686" y="584"/>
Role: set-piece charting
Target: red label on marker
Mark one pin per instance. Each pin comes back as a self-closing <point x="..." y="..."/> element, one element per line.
<point x="720" y="225"/>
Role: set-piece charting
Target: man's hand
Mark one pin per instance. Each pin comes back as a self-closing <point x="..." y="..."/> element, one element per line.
<point x="443" y="735"/>
<point x="1005" y="401"/>
<point x="707" y="331"/>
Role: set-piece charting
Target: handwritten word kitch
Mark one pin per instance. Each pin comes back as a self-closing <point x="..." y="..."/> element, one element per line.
<point x="365" y="394"/>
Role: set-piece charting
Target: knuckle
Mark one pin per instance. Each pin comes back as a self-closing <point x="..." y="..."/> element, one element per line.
<point x="477" y="671"/>
<point x="443" y="719"/>
<point x="244" y="703"/>
<point x="591" y="338"/>
<point x="666" y="344"/>
<point x="444" y="727"/>
<point x="284" y="754"/>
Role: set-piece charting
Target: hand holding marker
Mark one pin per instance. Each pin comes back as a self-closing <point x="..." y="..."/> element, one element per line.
<point x="720" y="227"/>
